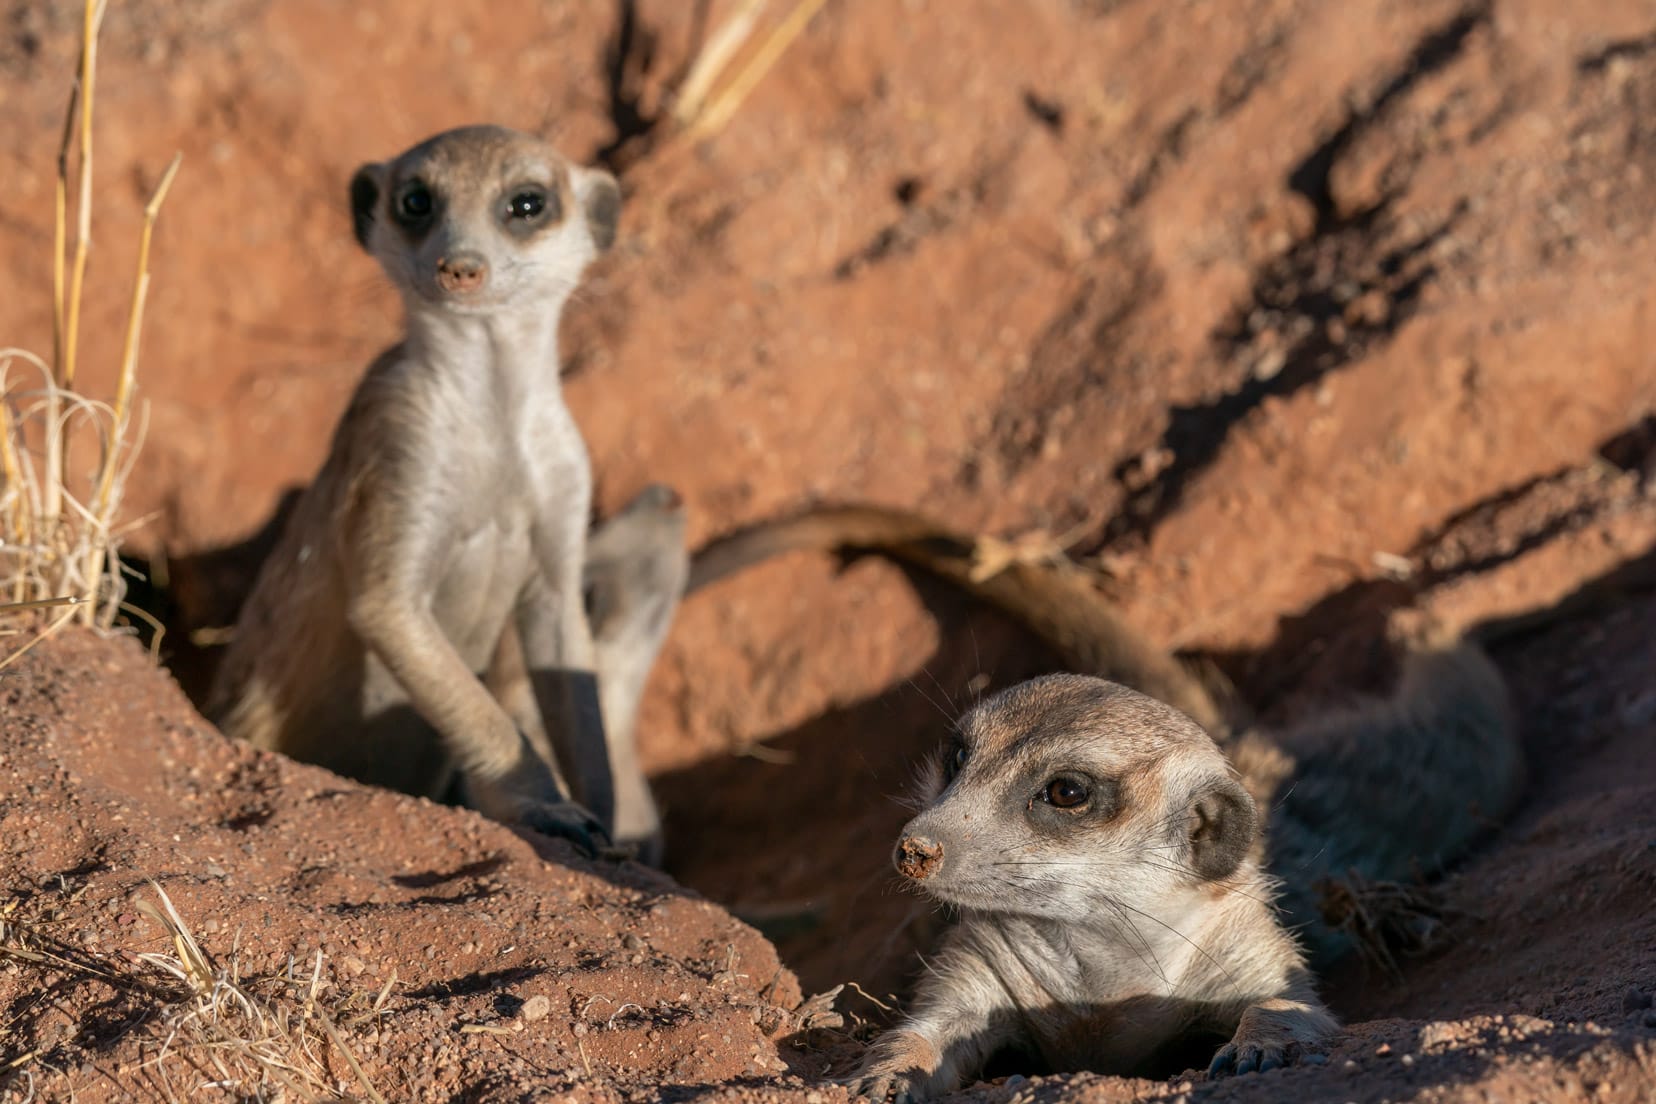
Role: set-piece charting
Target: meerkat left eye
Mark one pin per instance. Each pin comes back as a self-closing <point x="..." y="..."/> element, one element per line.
<point x="1065" y="793"/>
<point x="415" y="204"/>
<point x="527" y="204"/>
<point x="954" y="761"/>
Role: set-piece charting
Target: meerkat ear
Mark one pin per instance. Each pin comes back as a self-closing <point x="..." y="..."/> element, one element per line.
<point x="1222" y="823"/>
<point x="600" y="199"/>
<point x="365" y="193"/>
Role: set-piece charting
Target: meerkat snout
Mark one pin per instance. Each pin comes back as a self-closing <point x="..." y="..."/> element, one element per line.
<point x="462" y="272"/>
<point x="918" y="857"/>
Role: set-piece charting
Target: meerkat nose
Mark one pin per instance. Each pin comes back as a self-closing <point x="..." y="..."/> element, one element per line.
<point x="918" y="858"/>
<point x="461" y="272"/>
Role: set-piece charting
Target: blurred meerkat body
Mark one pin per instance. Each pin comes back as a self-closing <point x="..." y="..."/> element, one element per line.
<point x="1104" y="862"/>
<point x="451" y="513"/>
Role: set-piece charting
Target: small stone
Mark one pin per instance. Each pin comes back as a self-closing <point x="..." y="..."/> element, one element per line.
<point x="536" y="1008"/>
<point x="1383" y="1050"/>
<point x="1408" y="1059"/>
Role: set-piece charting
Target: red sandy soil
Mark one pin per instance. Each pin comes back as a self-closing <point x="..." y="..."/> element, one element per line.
<point x="1290" y="312"/>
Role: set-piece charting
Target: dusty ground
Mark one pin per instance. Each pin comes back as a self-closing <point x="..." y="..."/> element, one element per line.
<point x="1293" y="312"/>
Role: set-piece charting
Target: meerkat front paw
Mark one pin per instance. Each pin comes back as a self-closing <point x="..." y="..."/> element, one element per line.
<point x="535" y="803"/>
<point x="568" y="821"/>
<point x="1272" y="1033"/>
<point x="900" y="1066"/>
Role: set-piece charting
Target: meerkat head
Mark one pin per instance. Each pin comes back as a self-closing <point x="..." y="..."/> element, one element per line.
<point x="1071" y="797"/>
<point x="483" y="218"/>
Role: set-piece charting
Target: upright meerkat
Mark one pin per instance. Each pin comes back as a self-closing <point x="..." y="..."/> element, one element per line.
<point x="451" y="511"/>
<point x="1103" y="860"/>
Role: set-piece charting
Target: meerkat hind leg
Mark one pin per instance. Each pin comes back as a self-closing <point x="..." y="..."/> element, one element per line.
<point x="636" y="569"/>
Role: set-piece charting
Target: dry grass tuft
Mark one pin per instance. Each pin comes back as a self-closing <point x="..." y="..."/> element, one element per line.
<point x="255" y="1038"/>
<point x="58" y="535"/>
<point x="1385" y="919"/>
<point x="204" y="1026"/>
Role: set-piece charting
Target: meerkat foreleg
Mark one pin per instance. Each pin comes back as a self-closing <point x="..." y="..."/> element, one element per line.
<point x="561" y="660"/>
<point x="961" y="1016"/>
<point x="504" y="778"/>
<point x="635" y="573"/>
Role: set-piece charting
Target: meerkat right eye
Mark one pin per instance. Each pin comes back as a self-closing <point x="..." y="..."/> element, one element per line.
<point x="1065" y="793"/>
<point x="415" y="203"/>
<point x="526" y="205"/>
<point x="954" y="761"/>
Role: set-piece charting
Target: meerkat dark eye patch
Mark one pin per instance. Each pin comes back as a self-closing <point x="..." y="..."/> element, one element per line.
<point x="1064" y="801"/>
<point x="954" y="760"/>
<point x="526" y="205"/>
<point x="1066" y="793"/>
<point x="415" y="203"/>
<point x="529" y="208"/>
<point x="414" y="208"/>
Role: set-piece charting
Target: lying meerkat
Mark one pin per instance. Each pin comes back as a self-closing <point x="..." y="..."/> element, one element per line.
<point x="451" y="509"/>
<point x="1054" y="597"/>
<point x="1103" y="859"/>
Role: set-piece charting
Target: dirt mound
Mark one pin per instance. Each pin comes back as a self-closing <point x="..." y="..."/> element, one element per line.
<point x="456" y="959"/>
<point x="1287" y="314"/>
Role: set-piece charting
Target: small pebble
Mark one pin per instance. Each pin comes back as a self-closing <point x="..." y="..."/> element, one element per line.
<point x="536" y="1008"/>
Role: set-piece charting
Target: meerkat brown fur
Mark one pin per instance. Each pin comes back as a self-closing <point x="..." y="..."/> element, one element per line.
<point x="451" y="510"/>
<point x="1099" y="851"/>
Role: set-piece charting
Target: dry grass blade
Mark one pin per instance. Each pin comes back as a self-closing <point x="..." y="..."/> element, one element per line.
<point x="710" y="62"/>
<point x="113" y="460"/>
<point x="722" y="107"/>
<point x="92" y="22"/>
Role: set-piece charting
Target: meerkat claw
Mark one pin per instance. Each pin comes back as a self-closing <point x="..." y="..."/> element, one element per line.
<point x="568" y="821"/>
<point x="1238" y="1059"/>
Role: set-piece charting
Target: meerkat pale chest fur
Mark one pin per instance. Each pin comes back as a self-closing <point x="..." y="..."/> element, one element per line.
<point x="1097" y="848"/>
<point x="451" y="510"/>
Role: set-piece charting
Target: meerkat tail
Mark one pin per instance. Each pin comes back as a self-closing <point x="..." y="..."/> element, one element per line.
<point x="1396" y="789"/>
<point x="1057" y="599"/>
<point x="821" y="529"/>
